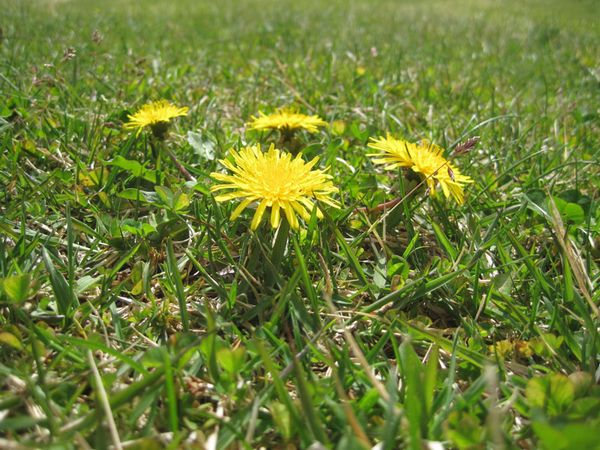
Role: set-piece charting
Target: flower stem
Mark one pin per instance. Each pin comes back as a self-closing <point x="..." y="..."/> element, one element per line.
<point x="283" y="233"/>
<point x="158" y="146"/>
<point x="278" y="251"/>
<point x="288" y="142"/>
<point x="406" y="209"/>
<point x="188" y="176"/>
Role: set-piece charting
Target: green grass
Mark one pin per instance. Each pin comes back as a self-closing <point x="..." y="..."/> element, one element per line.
<point x="473" y="325"/>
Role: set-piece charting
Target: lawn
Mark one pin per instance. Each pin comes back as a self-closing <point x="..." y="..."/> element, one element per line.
<point x="378" y="311"/>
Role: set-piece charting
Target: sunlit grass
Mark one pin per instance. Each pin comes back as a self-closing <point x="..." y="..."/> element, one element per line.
<point x="388" y="314"/>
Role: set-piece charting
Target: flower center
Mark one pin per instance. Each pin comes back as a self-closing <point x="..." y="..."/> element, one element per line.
<point x="278" y="183"/>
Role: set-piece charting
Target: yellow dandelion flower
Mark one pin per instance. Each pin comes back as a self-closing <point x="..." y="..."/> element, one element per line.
<point x="274" y="180"/>
<point x="286" y="121"/>
<point x="426" y="159"/>
<point x="502" y="348"/>
<point x="393" y="153"/>
<point x="156" y="115"/>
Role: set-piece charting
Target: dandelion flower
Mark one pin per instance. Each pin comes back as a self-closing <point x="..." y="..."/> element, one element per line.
<point x="274" y="180"/>
<point x="156" y="115"/>
<point x="392" y="152"/>
<point x="426" y="159"/>
<point x="286" y="121"/>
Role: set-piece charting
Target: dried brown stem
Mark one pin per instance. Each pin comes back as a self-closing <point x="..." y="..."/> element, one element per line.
<point x="188" y="176"/>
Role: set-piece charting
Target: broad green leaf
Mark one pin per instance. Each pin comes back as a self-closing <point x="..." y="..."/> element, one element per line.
<point x="464" y="430"/>
<point x="577" y="197"/>
<point x="414" y="400"/>
<point x="138" y="195"/>
<point x="133" y="167"/>
<point x="10" y="340"/>
<point x="553" y="393"/>
<point x="137" y="228"/>
<point x="444" y="241"/>
<point x="231" y="360"/>
<point x="175" y="277"/>
<point x="16" y="287"/>
<point x="86" y="283"/>
<point x="569" y="212"/>
<point x="282" y="418"/>
<point x="164" y="194"/>
<point x="181" y="201"/>
<point x="19" y="422"/>
<point x="65" y="298"/>
<point x="570" y="436"/>
<point x="202" y="147"/>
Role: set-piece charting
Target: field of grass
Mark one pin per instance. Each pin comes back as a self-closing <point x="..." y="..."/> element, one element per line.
<point x="135" y="314"/>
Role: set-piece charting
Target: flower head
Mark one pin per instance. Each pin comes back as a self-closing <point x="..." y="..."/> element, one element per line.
<point x="156" y="115"/>
<point x="426" y="159"/>
<point x="392" y="152"/>
<point x="287" y="121"/>
<point x="274" y="180"/>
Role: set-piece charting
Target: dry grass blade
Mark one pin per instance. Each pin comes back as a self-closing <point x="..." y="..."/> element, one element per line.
<point x="112" y="426"/>
<point x="570" y="251"/>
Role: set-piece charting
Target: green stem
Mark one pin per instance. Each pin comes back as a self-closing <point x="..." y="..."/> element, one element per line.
<point x="283" y="233"/>
<point x="171" y="394"/>
<point x="287" y="141"/>
<point x="405" y="207"/>
<point x="156" y="152"/>
<point x="178" y="284"/>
